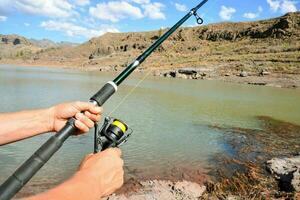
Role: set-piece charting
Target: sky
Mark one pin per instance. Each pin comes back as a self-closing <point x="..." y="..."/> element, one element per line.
<point x="79" y="20"/>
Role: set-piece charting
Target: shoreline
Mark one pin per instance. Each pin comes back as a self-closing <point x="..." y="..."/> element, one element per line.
<point x="255" y="171"/>
<point x="279" y="80"/>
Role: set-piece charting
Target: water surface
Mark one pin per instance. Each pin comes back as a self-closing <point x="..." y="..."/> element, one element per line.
<point x="171" y="118"/>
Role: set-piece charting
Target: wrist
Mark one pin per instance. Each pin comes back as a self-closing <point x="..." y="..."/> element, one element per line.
<point x="77" y="187"/>
<point x="50" y="118"/>
<point x="88" y="185"/>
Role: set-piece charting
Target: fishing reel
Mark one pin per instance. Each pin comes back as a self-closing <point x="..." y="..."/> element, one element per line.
<point x="113" y="133"/>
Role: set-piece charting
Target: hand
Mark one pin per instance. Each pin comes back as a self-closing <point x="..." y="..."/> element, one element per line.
<point x="59" y="115"/>
<point x="104" y="169"/>
<point x="99" y="175"/>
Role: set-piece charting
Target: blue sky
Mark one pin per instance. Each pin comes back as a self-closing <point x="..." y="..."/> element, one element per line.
<point x="79" y="20"/>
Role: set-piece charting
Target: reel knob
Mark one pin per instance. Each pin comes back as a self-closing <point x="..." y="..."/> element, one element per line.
<point x="113" y="133"/>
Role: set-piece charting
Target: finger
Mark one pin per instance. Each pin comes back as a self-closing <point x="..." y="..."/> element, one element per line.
<point x="96" y="110"/>
<point x="81" y="126"/>
<point x="85" y="120"/>
<point x="112" y="151"/>
<point x="93" y="117"/>
<point x="83" y="106"/>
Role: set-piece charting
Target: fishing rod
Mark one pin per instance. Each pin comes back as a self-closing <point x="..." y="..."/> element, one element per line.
<point x="112" y="134"/>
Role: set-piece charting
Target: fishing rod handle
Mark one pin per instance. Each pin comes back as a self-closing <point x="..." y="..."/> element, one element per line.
<point x="31" y="166"/>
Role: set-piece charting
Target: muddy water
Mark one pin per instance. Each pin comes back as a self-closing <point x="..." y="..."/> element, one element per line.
<point x="173" y="120"/>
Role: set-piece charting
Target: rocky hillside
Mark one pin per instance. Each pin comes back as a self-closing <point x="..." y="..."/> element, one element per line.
<point x="15" y="46"/>
<point x="272" y="45"/>
<point x="19" y="47"/>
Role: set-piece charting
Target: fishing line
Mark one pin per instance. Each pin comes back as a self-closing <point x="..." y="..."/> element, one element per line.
<point x="130" y="92"/>
<point x="113" y="134"/>
<point x="144" y="78"/>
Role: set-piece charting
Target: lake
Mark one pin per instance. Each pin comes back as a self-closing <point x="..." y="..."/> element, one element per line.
<point x="172" y="119"/>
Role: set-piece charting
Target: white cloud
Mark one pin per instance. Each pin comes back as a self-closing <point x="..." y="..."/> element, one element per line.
<point x="26" y="24"/>
<point x="154" y="10"/>
<point x="73" y="30"/>
<point x="48" y="8"/>
<point x="251" y="15"/>
<point x="283" y="5"/>
<point x="226" y="12"/>
<point x="141" y="1"/>
<point x="274" y="5"/>
<point x="115" y="11"/>
<point x="181" y="7"/>
<point x="82" y="2"/>
<point x="3" y="18"/>
<point x="288" y="6"/>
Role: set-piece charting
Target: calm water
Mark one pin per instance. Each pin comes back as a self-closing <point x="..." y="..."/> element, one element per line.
<point x="171" y="118"/>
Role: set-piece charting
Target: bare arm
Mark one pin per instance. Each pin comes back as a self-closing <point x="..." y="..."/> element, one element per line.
<point x="21" y="125"/>
<point x="25" y="124"/>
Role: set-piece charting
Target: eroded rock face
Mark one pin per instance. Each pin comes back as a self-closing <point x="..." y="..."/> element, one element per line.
<point x="14" y="40"/>
<point x="287" y="172"/>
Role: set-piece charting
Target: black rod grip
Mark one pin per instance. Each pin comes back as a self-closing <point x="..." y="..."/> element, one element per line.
<point x="28" y="169"/>
<point x="104" y="94"/>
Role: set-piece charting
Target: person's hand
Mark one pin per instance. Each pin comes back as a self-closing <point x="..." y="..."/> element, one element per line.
<point x="104" y="169"/>
<point x="99" y="175"/>
<point x="85" y="113"/>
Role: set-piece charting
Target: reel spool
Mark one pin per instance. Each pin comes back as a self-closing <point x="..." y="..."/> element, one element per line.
<point x="113" y="133"/>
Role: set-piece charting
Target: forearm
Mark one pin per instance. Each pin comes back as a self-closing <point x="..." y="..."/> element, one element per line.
<point x="25" y="124"/>
<point x="77" y="188"/>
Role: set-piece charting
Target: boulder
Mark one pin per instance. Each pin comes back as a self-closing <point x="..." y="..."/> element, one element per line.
<point x="188" y="71"/>
<point x="183" y="76"/>
<point x="170" y="74"/>
<point x="243" y="74"/>
<point x="264" y="73"/>
<point x="287" y="172"/>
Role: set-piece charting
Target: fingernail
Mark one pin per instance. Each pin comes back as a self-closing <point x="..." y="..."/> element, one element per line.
<point x="79" y="115"/>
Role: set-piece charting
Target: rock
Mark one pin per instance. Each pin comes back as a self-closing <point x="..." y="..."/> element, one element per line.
<point x="182" y="76"/>
<point x="264" y="73"/>
<point x="227" y="74"/>
<point x="91" y="57"/>
<point x="188" y="71"/>
<point x="194" y="190"/>
<point x="287" y="172"/>
<point x="170" y="74"/>
<point x="243" y="74"/>
<point x="257" y="83"/>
